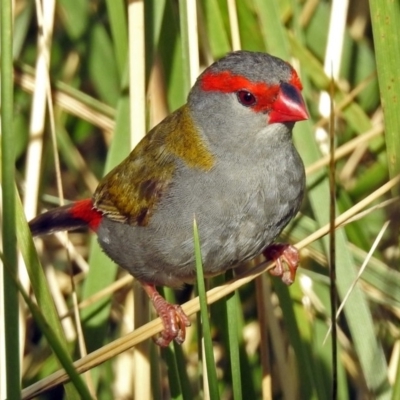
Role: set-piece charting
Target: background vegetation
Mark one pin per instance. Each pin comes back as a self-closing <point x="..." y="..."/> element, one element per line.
<point x="67" y="76"/>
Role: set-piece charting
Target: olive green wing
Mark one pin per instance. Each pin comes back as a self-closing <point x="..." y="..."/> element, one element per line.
<point x="131" y="191"/>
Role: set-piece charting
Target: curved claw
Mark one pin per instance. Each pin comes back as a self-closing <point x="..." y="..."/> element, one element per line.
<point x="175" y="322"/>
<point x="286" y="259"/>
<point x="173" y="318"/>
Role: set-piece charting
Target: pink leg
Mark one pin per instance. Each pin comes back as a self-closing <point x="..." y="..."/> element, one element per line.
<point x="174" y="319"/>
<point x="286" y="258"/>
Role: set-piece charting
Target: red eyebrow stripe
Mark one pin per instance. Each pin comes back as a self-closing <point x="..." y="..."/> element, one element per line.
<point x="226" y="82"/>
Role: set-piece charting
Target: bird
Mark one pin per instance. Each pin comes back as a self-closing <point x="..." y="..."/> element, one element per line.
<point x="225" y="158"/>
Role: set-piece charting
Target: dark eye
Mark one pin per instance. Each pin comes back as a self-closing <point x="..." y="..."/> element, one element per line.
<point x="246" y="98"/>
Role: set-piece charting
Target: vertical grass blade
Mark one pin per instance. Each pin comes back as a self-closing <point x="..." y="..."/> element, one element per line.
<point x="271" y="29"/>
<point x="117" y="13"/>
<point x="232" y="303"/>
<point x="183" y="19"/>
<point x="10" y="293"/>
<point x="385" y="17"/>
<point x="205" y="323"/>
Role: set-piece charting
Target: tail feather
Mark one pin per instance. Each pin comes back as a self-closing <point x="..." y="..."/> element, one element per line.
<point x="72" y="216"/>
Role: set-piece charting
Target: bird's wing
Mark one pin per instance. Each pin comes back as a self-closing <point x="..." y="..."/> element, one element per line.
<point x="131" y="191"/>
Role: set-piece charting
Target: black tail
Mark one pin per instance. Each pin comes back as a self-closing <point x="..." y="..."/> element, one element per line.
<point x="58" y="219"/>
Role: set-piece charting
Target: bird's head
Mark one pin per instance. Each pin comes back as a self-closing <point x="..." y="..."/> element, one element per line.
<point x="242" y="94"/>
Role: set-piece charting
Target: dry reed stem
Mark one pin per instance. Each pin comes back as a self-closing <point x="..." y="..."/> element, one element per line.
<point x="70" y="104"/>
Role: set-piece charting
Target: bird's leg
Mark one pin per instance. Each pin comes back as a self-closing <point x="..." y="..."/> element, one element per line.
<point x="172" y="316"/>
<point x="286" y="259"/>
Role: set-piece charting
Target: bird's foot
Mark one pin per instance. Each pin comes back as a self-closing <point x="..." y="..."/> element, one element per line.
<point x="172" y="316"/>
<point x="286" y="259"/>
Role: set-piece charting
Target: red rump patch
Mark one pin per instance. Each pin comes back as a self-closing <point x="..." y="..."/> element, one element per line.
<point x="226" y="82"/>
<point x="85" y="211"/>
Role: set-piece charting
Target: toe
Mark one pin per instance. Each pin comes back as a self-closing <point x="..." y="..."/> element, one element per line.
<point x="286" y="258"/>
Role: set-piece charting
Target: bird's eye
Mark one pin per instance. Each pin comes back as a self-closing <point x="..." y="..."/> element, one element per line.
<point x="246" y="98"/>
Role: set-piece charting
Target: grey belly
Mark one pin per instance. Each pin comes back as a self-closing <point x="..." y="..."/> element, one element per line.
<point x="163" y="253"/>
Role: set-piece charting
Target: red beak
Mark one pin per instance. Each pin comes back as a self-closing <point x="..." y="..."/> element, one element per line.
<point x="289" y="106"/>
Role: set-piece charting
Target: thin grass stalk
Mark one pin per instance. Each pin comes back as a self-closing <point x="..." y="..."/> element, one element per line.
<point x="332" y="244"/>
<point x="192" y="41"/>
<point x="211" y="373"/>
<point x="137" y="81"/>
<point x="181" y="363"/>
<point x="175" y="385"/>
<point x="232" y="315"/>
<point x="265" y="320"/>
<point x="71" y="100"/>
<point x="332" y="62"/>
<point x="234" y="25"/>
<point x="10" y="292"/>
<point x="184" y="31"/>
<point x="36" y="130"/>
<point x="362" y="269"/>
